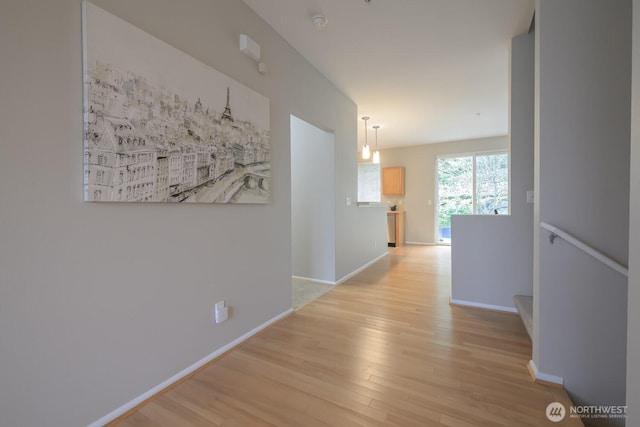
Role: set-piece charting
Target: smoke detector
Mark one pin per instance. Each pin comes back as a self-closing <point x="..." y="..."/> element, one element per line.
<point x="319" y="21"/>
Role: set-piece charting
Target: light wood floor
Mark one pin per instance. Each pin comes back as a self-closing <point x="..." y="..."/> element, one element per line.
<point x="383" y="349"/>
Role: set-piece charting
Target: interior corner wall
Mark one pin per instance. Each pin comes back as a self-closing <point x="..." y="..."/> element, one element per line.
<point x="583" y="102"/>
<point x="419" y="162"/>
<point x="492" y="255"/>
<point x="101" y="302"/>
<point x="312" y="202"/>
<point x="361" y="232"/>
<point x="633" y="333"/>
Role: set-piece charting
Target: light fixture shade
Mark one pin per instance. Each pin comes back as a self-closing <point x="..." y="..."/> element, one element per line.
<point x="376" y="153"/>
<point x="366" y="152"/>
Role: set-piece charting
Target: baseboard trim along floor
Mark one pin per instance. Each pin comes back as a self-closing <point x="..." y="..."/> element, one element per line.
<point x="309" y="279"/>
<point x="542" y="378"/>
<point x="361" y="269"/>
<point x="471" y="304"/>
<point x="185" y="373"/>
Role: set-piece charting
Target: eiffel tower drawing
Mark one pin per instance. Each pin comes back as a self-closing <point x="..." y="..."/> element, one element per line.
<point x="227" y="110"/>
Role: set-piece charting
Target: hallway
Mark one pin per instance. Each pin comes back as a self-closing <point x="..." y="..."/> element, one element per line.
<point x="383" y="348"/>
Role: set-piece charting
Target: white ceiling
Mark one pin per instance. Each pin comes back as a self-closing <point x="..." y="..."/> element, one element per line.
<point x="426" y="71"/>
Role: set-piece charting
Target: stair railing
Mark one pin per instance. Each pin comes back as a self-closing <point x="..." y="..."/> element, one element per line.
<point x="556" y="232"/>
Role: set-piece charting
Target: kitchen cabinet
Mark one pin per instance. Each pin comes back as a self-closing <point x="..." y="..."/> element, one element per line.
<point x="393" y="181"/>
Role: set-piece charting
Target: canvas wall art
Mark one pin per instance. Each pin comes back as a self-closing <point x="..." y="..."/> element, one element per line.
<point x="161" y="126"/>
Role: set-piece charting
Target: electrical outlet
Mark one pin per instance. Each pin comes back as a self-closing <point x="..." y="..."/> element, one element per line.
<point x="220" y="312"/>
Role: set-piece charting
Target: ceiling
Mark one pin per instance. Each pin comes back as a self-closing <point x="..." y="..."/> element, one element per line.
<point x="426" y="71"/>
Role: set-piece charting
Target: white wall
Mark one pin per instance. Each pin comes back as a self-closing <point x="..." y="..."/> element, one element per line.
<point x="633" y="335"/>
<point x="101" y="302"/>
<point x="312" y="202"/>
<point x="582" y="138"/>
<point x="419" y="162"/>
<point x="492" y="255"/>
<point x="361" y="233"/>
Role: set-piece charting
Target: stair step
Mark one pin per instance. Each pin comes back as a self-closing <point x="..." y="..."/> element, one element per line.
<point x="524" y="304"/>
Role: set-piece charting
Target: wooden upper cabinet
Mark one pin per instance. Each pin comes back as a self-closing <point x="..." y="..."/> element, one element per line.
<point x="393" y="180"/>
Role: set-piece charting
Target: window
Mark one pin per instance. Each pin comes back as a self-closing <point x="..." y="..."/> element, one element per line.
<point x="492" y="184"/>
<point x="368" y="182"/>
<point x="471" y="184"/>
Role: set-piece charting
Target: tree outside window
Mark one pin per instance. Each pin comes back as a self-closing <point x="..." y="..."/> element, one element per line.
<point x="471" y="184"/>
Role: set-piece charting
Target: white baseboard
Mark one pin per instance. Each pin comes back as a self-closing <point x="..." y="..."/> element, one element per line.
<point x="420" y="243"/>
<point x="309" y="279"/>
<point x="180" y="375"/>
<point x="364" y="267"/>
<point x="345" y="278"/>
<point x="472" y="304"/>
<point x="542" y="377"/>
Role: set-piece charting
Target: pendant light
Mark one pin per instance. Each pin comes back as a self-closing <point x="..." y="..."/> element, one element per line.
<point x="376" y="153"/>
<point x="366" y="151"/>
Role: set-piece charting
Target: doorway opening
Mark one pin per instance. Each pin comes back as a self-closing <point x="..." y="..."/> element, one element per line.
<point x="312" y="209"/>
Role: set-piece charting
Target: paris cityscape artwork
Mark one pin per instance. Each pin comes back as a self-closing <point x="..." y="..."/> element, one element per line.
<point x="161" y="126"/>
